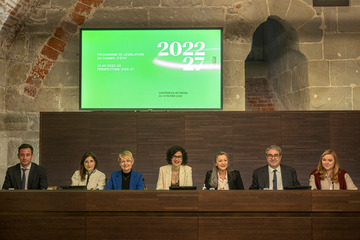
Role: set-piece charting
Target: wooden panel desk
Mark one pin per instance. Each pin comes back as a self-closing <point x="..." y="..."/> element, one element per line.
<point x="255" y="215"/>
<point x="42" y="215"/>
<point x="336" y="216"/>
<point x="179" y="215"/>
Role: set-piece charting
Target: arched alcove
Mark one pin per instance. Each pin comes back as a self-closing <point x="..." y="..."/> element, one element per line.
<point x="276" y="72"/>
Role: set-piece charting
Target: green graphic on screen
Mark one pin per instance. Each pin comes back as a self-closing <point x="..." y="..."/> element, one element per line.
<point x="151" y="69"/>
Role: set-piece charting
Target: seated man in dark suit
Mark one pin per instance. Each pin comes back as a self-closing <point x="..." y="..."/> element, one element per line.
<point x="25" y="175"/>
<point x="274" y="175"/>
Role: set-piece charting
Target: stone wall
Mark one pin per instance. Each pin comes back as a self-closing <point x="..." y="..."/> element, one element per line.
<point x="288" y="68"/>
<point x="276" y="43"/>
<point x="39" y="71"/>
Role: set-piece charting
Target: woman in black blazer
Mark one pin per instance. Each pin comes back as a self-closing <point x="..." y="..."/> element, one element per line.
<point x="223" y="177"/>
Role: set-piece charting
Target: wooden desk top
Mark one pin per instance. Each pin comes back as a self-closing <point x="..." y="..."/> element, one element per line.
<point x="181" y="201"/>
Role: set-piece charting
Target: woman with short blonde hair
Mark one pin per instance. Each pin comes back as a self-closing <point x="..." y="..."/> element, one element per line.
<point x="126" y="178"/>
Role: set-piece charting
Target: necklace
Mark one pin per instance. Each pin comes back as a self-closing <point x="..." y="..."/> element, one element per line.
<point x="125" y="178"/>
<point x="222" y="175"/>
<point x="175" y="175"/>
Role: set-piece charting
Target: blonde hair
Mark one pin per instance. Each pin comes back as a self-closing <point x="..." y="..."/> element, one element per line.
<point x="322" y="171"/>
<point x="127" y="154"/>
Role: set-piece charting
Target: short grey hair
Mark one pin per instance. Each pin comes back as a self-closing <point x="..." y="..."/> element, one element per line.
<point x="275" y="147"/>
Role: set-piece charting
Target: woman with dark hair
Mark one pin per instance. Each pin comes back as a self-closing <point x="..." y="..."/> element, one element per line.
<point x="329" y="176"/>
<point x="88" y="175"/>
<point x="176" y="173"/>
<point x="126" y="178"/>
<point x="222" y="177"/>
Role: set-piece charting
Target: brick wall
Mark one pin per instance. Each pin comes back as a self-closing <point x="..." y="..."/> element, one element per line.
<point x="259" y="96"/>
<point x="13" y="13"/>
<point x="73" y="20"/>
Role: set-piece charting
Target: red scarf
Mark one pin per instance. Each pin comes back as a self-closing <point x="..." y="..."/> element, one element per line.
<point x="341" y="177"/>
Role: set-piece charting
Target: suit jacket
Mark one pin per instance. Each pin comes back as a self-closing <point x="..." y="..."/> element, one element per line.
<point x="96" y="181"/>
<point x="235" y="182"/>
<point x="115" y="181"/>
<point x="37" y="177"/>
<point x="164" y="179"/>
<point x="260" y="177"/>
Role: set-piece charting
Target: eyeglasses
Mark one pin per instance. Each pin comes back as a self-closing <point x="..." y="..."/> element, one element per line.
<point x="177" y="157"/>
<point x="273" y="156"/>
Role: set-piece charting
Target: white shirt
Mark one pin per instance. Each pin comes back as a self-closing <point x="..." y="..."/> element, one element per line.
<point x="223" y="184"/>
<point x="278" y="178"/>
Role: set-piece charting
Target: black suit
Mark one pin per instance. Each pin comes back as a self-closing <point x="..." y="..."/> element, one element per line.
<point x="37" y="177"/>
<point x="234" y="181"/>
<point x="260" y="177"/>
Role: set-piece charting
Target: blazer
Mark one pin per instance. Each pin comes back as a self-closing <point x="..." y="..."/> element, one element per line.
<point x="345" y="182"/>
<point x="115" y="181"/>
<point x="164" y="179"/>
<point x="96" y="181"/>
<point x="37" y="177"/>
<point x="235" y="182"/>
<point x="260" y="178"/>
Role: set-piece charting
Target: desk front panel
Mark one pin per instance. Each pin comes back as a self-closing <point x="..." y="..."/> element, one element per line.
<point x="142" y="201"/>
<point x="255" y="201"/>
<point x="179" y="214"/>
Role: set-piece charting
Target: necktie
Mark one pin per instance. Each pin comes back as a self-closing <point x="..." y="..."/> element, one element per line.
<point x="23" y="180"/>
<point x="275" y="181"/>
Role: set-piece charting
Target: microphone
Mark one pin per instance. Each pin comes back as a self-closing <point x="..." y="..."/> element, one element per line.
<point x="145" y="188"/>
<point x="332" y="185"/>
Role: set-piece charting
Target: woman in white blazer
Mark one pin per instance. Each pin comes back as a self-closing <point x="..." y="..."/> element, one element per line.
<point x="176" y="173"/>
<point x="88" y="175"/>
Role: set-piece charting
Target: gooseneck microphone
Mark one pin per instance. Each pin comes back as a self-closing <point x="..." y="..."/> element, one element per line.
<point x="145" y="188"/>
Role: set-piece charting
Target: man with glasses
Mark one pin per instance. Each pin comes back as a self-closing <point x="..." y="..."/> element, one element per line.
<point x="274" y="176"/>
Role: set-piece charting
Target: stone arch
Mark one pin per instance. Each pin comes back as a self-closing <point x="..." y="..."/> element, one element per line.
<point x="287" y="75"/>
<point x="13" y="14"/>
<point x="275" y="70"/>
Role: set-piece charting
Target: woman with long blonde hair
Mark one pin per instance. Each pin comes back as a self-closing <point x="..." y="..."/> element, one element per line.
<point x="329" y="176"/>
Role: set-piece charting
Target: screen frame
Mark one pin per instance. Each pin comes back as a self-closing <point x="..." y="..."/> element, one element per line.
<point x="151" y="109"/>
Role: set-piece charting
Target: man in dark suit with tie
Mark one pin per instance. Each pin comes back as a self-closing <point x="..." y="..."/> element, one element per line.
<point x="274" y="176"/>
<point x="25" y="175"/>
